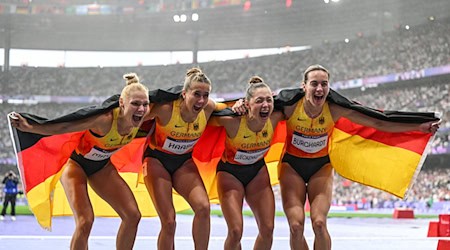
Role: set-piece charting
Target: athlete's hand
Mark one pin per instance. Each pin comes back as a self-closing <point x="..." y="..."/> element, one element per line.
<point x="239" y="107"/>
<point x="430" y="127"/>
<point x="19" y="122"/>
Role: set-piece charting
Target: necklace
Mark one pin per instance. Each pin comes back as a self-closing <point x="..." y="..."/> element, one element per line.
<point x="311" y="115"/>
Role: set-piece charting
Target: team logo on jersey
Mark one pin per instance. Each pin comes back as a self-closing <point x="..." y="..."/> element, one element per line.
<point x="264" y="133"/>
<point x="196" y="126"/>
<point x="322" y="120"/>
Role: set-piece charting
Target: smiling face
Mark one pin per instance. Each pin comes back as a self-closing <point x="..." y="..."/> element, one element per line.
<point x="135" y="106"/>
<point x="196" y="96"/>
<point x="316" y="87"/>
<point x="260" y="104"/>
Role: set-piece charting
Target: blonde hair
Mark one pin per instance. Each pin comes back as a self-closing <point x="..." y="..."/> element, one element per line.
<point x="254" y="83"/>
<point x="195" y="75"/>
<point x="313" y="68"/>
<point x="132" y="84"/>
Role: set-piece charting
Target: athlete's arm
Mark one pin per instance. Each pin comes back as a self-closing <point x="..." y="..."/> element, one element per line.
<point x="386" y="126"/>
<point x="99" y="123"/>
<point x="276" y="117"/>
<point x="209" y="108"/>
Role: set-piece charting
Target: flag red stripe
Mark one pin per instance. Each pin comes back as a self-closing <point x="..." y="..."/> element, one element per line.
<point x="46" y="157"/>
<point x="414" y="141"/>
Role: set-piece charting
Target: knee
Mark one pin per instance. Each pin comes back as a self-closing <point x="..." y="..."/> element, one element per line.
<point x="203" y="210"/>
<point x="297" y="228"/>
<point x="235" y="234"/>
<point x="132" y="217"/>
<point x="266" y="231"/>
<point x="319" y="227"/>
<point x="169" y="225"/>
<point x="84" y="224"/>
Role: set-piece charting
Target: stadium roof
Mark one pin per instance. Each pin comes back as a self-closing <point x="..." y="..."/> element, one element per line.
<point x="265" y="24"/>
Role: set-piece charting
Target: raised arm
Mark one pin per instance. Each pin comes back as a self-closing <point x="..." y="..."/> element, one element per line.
<point x="98" y="123"/>
<point x="386" y="126"/>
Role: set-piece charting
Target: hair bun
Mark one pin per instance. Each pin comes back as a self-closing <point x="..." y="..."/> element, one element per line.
<point x="193" y="71"/>
<point x="255" y="79"/>
<point x="131" y="78"/>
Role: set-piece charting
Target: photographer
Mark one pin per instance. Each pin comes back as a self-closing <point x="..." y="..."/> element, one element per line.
<point x="10" y="193"/>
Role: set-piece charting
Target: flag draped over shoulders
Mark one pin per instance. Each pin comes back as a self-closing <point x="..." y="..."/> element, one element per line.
<point x="384" y="160"/>
<point x="40" y="159"/>
<point x="387" y="161"/>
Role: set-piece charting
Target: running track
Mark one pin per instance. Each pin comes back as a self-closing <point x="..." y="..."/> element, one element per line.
<point x="347" y="234"/>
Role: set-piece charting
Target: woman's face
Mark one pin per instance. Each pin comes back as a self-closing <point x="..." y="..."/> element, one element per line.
<point x="135" y="107"/>
<point x="260" y="105"/>
<point x="316" y="87"/>
<point x="197" y="96"/>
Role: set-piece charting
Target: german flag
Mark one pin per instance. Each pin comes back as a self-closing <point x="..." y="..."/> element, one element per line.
<point x="387" y="161"/>
<point x="383" y="160"/>
<point x="40" y="159"/>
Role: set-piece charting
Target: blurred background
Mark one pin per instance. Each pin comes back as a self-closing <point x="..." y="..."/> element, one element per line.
<point x="59" y="55"/>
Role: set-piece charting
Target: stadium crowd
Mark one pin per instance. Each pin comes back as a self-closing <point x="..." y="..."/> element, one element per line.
<point x="366" y="56"/>
<point x="362" y="57"/>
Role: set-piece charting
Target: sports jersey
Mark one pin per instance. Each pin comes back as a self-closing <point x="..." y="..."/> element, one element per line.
<point x="247" y="147"/>
<point x="308" y="137"/>
<point x="97" y="148"/>
<point x="177" y="136"/>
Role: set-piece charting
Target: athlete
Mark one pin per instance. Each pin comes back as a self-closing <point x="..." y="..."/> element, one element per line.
<point x="306" y="171"/>
<point x="168" y="159"/>
<point x="242" y="171"/>
<point x="90" y="162"/>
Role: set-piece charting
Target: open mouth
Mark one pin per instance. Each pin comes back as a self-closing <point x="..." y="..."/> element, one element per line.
<point x="318" y="98"/>
<point x="264" y="114"/>
<point x="137" y="118"/>
<point x="197" y="108"/>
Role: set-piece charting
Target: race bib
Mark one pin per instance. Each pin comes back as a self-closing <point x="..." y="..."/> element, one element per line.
<point x="310" y="143"/>
<point x="98" y="154"/>
<point x="178" y="146"/>
<point x="249" y="157"/>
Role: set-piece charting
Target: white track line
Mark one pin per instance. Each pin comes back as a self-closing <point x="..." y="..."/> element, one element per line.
<point x="63" y="237"/>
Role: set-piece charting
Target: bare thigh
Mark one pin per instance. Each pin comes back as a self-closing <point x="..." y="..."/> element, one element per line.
<point x="112" y="188"/>
<point x="74" y="182"/>
<point x="189" y="184"/>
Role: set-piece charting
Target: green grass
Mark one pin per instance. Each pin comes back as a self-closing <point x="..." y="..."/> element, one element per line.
<point x="24" y="210"/>
<point x="330" y="215"/>
<point x="20" y="210"/>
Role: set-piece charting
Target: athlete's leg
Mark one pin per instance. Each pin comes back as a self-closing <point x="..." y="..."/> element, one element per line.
<point x="259" y="196"/>
<point x="293" y="194"/>
<point x="320" y="188"/>
<point x="159" y="185"/>
<point x="231" y="196"/>
<point x="74" y="182"/>
<point x="189" y="184"/>
<point x="110" y="186"/>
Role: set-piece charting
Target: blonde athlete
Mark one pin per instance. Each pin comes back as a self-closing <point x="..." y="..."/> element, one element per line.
<point x="90" y="162"/>
<point x="168" y="159"/>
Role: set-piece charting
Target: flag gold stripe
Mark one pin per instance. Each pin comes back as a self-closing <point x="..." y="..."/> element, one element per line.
<point x="373" y="163"/>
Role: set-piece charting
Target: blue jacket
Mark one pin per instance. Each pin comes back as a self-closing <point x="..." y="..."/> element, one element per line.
<point x="10" y="185"/>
